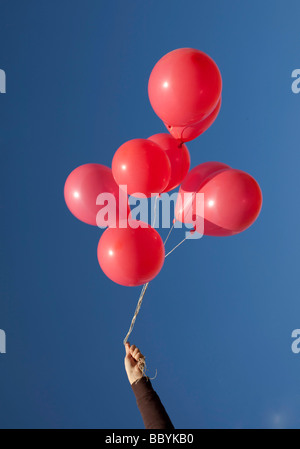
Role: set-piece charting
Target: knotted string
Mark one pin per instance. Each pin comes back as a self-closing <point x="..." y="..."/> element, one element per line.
<point x="137" y="309"/>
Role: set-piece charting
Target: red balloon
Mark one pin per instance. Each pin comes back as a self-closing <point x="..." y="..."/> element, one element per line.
<point x="143" y="166"/>
<point x="186" y="205"/>
<point x="178" y="155"/>
<point x="188" y="133"/>
<point x="232" y="199"/>
<point x="81" y="191"/>
<point x="184" y="87"/>
<point x="132" y="255"/>
<point x="199" y="174"/>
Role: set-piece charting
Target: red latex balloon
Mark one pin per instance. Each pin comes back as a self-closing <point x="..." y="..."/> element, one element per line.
<point x="200" y="174"/>
<point x="178" y="155"/>
<point x="184" y="87"/>
<point x="187" y="201"/>
<point x="143" y="166"/>
<point x="81" y="191"/>
<point x="130" y="256"/>
<point x="232" y="199"/>
<point x="188" y="133"/>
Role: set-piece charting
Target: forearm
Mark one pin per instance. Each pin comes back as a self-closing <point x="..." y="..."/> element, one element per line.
<point x="152" y="410"/>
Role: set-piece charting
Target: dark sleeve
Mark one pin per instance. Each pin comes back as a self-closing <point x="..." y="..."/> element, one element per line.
<point x="153" y="412"/>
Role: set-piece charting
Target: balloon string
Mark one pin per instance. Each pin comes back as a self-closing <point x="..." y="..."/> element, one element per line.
<point x="145" y="286"/>
<point x="180" y="243"/>
<point x="169" y="234"/>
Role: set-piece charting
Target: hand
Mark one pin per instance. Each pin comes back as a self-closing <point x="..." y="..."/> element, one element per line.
<point x="134" y="361"/>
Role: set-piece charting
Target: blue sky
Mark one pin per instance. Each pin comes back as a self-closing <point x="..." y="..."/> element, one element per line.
<point x="216" y="323"/>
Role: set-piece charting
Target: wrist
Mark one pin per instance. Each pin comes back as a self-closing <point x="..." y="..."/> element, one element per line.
<point x="133" y="379"/>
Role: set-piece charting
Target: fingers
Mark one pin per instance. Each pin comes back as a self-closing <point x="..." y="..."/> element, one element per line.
<point x="137" y="354"/>
<point x="133" y="351"/>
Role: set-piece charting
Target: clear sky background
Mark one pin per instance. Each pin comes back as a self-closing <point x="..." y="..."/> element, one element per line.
<point x="216" y="323"/>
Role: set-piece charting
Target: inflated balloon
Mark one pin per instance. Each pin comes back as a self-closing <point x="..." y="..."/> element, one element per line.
<point x="178" y="155"/>
<point x="81" y="192"/>
<point x="199" y="174"/>
<point x="184" y="87"/>
<point x="232" y="199"/>
<point x="131" y="256"/>
<point x="188" y="203"/>
<point x="188" y="133"/>
<point x="143" y="166"/>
